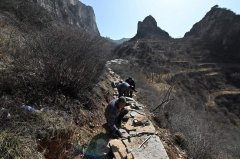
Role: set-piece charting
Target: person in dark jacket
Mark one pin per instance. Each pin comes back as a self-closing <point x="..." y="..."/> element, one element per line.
<point x="123" y="89"/>
<point x="131" y="82"/>
<point x="114" y="114"/>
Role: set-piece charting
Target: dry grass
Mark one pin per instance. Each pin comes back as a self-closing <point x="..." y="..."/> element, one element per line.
<point x="13" y="146"/>
<point x="207" y="134"/>
<point x="45" y="66"/>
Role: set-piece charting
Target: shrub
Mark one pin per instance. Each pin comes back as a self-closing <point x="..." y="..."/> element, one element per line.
<point x="57" y="60"/>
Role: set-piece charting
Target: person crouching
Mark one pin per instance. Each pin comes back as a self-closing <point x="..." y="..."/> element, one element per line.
<point x="114" y="114"/>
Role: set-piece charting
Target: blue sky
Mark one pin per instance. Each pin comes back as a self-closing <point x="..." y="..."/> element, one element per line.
<point x="118" y="18"/>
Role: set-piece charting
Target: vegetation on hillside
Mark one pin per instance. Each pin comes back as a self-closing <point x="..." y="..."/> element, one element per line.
<point x="48" y="70"/>
<point x="204" y="131"/>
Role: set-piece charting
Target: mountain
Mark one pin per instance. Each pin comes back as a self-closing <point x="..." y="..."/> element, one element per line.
<point x="201" y="73"/>
<point x="72" y="12"/>
<point x="218" y="31"/>
<point x="148" y="29"/>
<point x="41" y="13"/>
<point x="120" y="41"/>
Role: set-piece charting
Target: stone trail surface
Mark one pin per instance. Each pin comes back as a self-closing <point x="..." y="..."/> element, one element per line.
<point x="139" y="135"/>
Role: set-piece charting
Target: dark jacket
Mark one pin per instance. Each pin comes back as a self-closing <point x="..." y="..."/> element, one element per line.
<point x="111" y="114"/>
<point x="122" y="87"/>
<point x="131" y="82"/>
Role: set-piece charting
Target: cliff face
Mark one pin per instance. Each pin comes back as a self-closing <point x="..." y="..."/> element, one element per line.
<point x="218" y="31"/>
<point x="148" y="29"/>
<point x="72" y="12"/>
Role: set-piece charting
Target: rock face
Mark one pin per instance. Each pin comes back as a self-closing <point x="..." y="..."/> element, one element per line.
<point x="148" y="29"/>
<point x="218" y="31"/>
<point x="72" y="12"/>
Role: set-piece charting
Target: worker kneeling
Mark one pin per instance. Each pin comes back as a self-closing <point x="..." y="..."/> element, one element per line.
<point x="124" y="88"/>
<point x="114" y="114"/>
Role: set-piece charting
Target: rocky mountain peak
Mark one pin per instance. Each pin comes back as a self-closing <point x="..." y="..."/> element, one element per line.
<point x="148" y="29"/>
<point x="216" y="21"/>
<point x="218" y="31"/>
<point x="150" y="21"/>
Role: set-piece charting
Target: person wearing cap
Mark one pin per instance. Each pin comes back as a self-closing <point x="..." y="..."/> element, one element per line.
<point x="114" y="114"/>
<point x="123" y="89"/>
<point x="131" y="82"/>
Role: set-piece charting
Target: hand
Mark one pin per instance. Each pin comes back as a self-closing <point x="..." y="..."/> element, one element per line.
<point x="119" y="134"/>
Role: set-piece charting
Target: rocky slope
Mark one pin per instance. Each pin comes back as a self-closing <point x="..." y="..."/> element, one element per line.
<point x="42" y="13"/>
<point x="55" y="31"/>
<point x="72" y="12"/>
<point x="201" y="81"/>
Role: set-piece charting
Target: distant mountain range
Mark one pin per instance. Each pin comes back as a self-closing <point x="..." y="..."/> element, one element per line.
<point x="120" y="41"/>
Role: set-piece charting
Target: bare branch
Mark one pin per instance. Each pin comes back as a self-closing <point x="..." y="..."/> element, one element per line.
<point x="166" y="99"/>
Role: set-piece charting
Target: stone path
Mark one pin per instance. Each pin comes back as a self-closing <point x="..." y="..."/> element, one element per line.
<point x="140" y="140"/>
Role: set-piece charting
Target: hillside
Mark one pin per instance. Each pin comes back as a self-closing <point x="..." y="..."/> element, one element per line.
<point x="213" y="32"/>
<point x="201" y="73"/>
<point x="51" y="58"/>
<point x="58" y="75"/>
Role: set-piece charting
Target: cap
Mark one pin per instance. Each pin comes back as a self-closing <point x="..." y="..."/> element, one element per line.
<point x="122" y="100"/>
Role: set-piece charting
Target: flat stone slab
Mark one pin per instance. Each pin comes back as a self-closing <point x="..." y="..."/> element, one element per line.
<point x="130" y="99"/>
<point x="149" y="129"/>
<point x="133" y="133"/>
<point x="118" y="149"/>
<point x="130" y="156"/>
<point x="145" y="129"/>
<point x="133" y="114"/>
<point x="124" y="133"/>
<point x="140" y="120"/>
<point x="151" y="149"/>
<point x="140" y="105"/>
<point x="138" y="111"/>
<point x="129" y="125"/>
<point x="127" y="116"/>
<point x="136" y="106"/>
